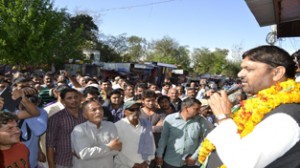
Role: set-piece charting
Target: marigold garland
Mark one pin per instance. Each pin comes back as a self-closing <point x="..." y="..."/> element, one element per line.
<point x="253" y="110"/>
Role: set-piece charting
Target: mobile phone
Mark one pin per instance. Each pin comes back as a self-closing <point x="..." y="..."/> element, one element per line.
<point x="10" y="105"/>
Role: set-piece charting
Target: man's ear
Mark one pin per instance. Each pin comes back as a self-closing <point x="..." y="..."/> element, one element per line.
<point x="84" y="115"/>
<point x="279" y="73"/>
<point x="126" y="113"/>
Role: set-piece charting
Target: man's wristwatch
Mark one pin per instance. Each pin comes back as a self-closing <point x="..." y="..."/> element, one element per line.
<point x="222" y="117"/>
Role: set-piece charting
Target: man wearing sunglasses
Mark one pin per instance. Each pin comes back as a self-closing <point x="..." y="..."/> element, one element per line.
<point x="136" y="136"/>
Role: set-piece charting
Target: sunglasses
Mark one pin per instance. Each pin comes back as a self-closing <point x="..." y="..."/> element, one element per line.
<point x="134" y="109"/>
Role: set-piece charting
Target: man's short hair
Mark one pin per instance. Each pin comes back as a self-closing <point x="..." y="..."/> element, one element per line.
<point x="85" y="103"/>
<point x="115" y="91"/>
<point x="6" y="117"/>
<point x="191" y="88"/>
<point x="127" y="85"/>
<point x="148" y="94"/>
<point x="188" y="102"/>
<point x="163" y="97"/>
<point x="50" y="74"/>
<point x="273" y="56"/>
<point x="61" y="87"/>
<point x="166" y="84"/>
<point x="64" y="92"/>
<point x="91" y="90"/>
<point x="140" y="85"/>
<point x="106" y="81"/>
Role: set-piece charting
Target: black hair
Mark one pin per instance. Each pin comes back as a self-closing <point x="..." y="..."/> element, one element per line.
<point x="6" y="117"/>
<point x="188" y="102"/>
<point x="127" y="85"/>
<point x="166" y="83"/>
<point x="115" y="91"/>
<point x="91" y="90"/>
<point x="64" y="92"/>
<point x="140" y="85"/>
<point x="105" y="81"/>
<point x="148" y="94"/>
<point x="93" y="80"/>
<point x="59" y="88"/>
<point x="273" y="56"/>
<point x="163" y="97"/>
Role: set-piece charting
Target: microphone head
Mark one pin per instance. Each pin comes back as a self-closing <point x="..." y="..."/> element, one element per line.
<point x="233" y="88"/>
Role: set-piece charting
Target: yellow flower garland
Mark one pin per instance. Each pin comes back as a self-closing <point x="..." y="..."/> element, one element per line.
<point x="253" y="110"/>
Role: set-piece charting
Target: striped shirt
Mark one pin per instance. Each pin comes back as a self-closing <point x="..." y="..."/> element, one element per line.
<point x="58" y="135"/>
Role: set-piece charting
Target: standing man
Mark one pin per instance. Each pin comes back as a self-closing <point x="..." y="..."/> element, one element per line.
<point x="95" y="142"/>
<point x="181" y="136"/>
<point x="46" y="87"/>
<point x="265" y="131"/>
<point x="128" y="92"/>
<point x="137" y="139"/>
<point x="105" y="88"/>
<point x="12" y="152"/>
<point x="175" y="100"/>
<point x="165" y="88"/>
<point x="150" y="112"/>
<point x="32" y="128"/>
<point x="51" y="110"/>
<point x="115" y="105"/>
<point x="190" y="92"/>
<point x="60" y="126"/>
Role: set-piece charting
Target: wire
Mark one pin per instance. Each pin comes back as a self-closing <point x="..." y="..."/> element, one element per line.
<point x="136" y="6"/>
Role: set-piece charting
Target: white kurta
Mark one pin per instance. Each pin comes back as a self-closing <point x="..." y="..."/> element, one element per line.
<point x="130" y="137"/>
<point x="89" y="144"/>
<point x="269" y="140"/>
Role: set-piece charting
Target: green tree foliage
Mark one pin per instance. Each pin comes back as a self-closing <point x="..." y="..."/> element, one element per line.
<point x="167" y="50"/>
<point x="232" y="69"/>
<point x="137" y="47"/>
<point x="202" y="59"/>
<point x="206" y="61"/>
<point x="88" y="26"/>
<point x="32" y="32"/>
<point x="108" y="54"/>
<point x="118" y="43"/>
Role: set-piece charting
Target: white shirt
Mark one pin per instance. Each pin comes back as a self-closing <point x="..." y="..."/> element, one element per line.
<point x="269" y="140"/>
<point x="130" y="137"/>
<point x="51" y="110"/>
<point x="89" y="144"/>
<point x="54" y="108"/>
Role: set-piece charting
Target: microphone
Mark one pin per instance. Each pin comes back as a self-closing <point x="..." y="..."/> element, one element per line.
<point x="232" y="89"/>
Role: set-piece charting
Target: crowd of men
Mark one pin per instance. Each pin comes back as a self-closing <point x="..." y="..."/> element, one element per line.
<point x="80" y="121"/>
<point x="63" y="121"/>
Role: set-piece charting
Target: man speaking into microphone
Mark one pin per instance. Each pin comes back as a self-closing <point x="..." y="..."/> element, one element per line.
<point x="264" y="131"/>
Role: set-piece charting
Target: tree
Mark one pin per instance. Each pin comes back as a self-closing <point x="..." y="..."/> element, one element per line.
<point x="167" y="50"/>
<point x="220" y="60"/>
<point x="86" y="23"/>
<point x="202" y="59"/>
<point x="136" y="49"/>
<point x="108" y="54"/>
<point x="118" y="44"/>
<point x="232" y="69"/>
<point x="32" y="32"/>
<point x="206" y="61"/>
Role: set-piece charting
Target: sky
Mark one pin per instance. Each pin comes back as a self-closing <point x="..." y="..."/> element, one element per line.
<point x="225" y="24"/>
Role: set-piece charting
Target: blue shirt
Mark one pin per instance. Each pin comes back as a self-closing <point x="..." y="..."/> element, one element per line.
<point x="180" y="138"/>
<point x="38" y="126"/>
<point x="117" y="113"/>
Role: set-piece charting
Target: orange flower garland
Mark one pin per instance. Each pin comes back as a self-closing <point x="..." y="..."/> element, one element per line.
<point x="253" y="110"/>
